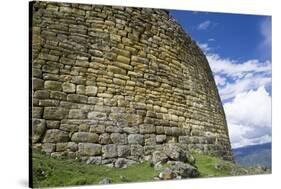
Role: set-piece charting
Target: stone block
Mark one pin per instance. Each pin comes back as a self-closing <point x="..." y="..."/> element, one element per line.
<point x="37" y="112"/>
<point x="77" y="114"/>
<point x="89" y="149"/>
<point x="55" y="113"/>
<point x="147" y="128"/>
<point x="97" y="115"/>
<point x="37" y="84"/>
<point x="77" y="98"/>
<point x="109" y="151"/>
<point x="53" y="124"/>
<point x="136" y="150"/>
<point x="38" y="129"/>
<point x="123" y="150"/>
<point x="85" y="137"/>
<point x="118" y="138"/>
<point x="68" y="87"/>
<point x="135" y="139"/>
<point x="91" y="90"/>
<point x="55" y="135"/>
<point x="104" y="138"/>
<point x="53" y="85"/>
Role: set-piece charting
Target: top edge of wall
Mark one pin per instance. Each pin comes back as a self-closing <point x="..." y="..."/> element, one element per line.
<point x="257" y="7"/>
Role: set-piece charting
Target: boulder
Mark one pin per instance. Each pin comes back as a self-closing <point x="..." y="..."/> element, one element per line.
<point x="158" y="156"/>
<point x="174" y="152"/>
<point x="167" y="174"/>
<point x="184" y="170"/>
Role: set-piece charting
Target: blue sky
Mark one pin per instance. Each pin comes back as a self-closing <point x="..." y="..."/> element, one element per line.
<point x="238" y="48"/>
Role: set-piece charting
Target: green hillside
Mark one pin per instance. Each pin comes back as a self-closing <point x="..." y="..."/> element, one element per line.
<point x="48" y="171"/>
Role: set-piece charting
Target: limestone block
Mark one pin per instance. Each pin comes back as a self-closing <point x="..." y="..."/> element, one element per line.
<point x="77" y="114"/>
<point x="85" y="137"/>
<point x="55" y="135"/>
<point x="147" y="128"/>
<point x="53" y="124"/>
<point x="37" y="112"/>
<point x="68" y="87"/>
<point x="118" y="138"/>
<point x="38" y="129"/>
<point x="104" y="138"/>
<point x="109" y="151"/>
<point x="136" y="150"/>
<point x="37" y="84"/>
<point x="161" y="138"/>
<point x="91" y="90"/>
<point x="135" y="139"/>
<point x="89" y="149"/>
<point x="123" y="150"/>
<point x="53" y="85"/>
<point x="69" y="127"/>
<point x="77" y="98"/>
<point x="97" y="115"/>
<point x="55" y="113"/>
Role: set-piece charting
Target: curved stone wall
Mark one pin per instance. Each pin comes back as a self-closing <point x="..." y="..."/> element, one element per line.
<point x="112" y="82"/>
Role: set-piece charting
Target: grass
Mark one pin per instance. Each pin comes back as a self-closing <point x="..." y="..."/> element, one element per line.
<point x="48" y="171"/>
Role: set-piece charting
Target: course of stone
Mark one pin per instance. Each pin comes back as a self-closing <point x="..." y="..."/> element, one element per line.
<point x="120" y="83"/>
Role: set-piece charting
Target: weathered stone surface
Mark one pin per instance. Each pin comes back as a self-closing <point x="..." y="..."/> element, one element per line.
<point x="118" y="138"/>
<point x="48" y="147"/>
<point x="69" y="127"/>
<point x="85" y="137"/>
<point x="97" y="115"/>
<point x="91" y="90"/>
<point x="53" y="85"/>
<point x="89" y="149"/>
<point x="38" y="129"/>
<point x="123" y="163"/>
<point x="109" y="151"/>
<point x="37" y="112"/>
<point x="55" y="135"/>
<point x="161" y="138"/>
<point x="135" y="139"/>
<point x="123" y="150"/>
<point x="53" y="124"/>
<point x="147" y="128"/>
<point x="159" y="156"/>
<point x="136" y="150"/>
<point x="55" y="113"/>
<point x="94" y="160"/>
<point x="37" y="83"/>
<point x="167" y="174"/>
<point x="77" y="114"/>
<point x="77" y="98"/>
<point x="68" y="87"/>
<point x="184" y="170"/>
<point x="174" y="152"/>
<point x="99" y="79"/>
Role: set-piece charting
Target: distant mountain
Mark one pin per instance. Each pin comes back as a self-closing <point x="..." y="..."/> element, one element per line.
<point x="254" y="155"/>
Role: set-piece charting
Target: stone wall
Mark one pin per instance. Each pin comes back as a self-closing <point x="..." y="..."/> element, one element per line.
<point x="120" y="82"/>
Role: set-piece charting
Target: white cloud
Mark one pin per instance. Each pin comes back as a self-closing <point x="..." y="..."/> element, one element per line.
<point x="204" y="25"/>
<point x="220" y="81"/>
<point x="249" y="118"/>
<point x="238" y="77"/>
<point x="204" y="47"/>
<point x="266" y="32"/>
<point x="211" y="39"/>
<point x="247" y="104"/>
<point x="233" y="68"/>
